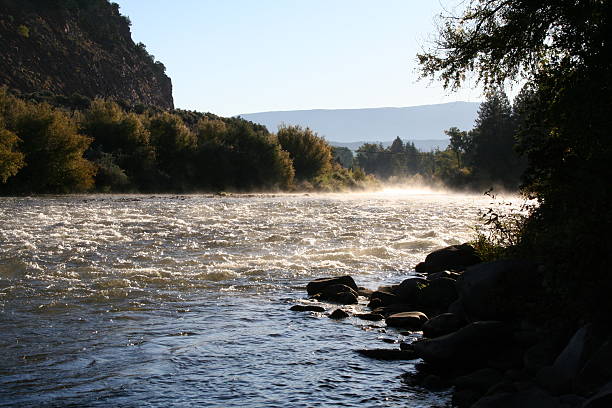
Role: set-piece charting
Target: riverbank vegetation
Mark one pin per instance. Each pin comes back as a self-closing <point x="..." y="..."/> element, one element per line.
<point x="477" y="159"/>
<point x="100" y="146"/>
<point x="560" y="51"/>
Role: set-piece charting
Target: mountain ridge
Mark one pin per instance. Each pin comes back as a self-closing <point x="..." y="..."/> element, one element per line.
<point x="421" y="122"/>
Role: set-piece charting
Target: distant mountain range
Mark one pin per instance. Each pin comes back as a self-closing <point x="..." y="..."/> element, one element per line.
<point x="425" y="123"/>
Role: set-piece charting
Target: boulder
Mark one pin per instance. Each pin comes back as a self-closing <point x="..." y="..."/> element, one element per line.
<point x="437" y="295"/>
<point x="388" y="354"/>
<point x="337" y="293"/>
<point x="318" y="285"/>
<point x="561" y="375"/>
<point x="338" y="314"/>
<point x="410" y="289"/>
<point x="386" y="297"/>
<point x="471" y="345"/>
<point x="597" y="370"/>
<point x="394" y="308"/>
<point x="498" y="290"/>
<point x="307" y="308"/>
<point x="603" y="398"/>
<point x="443" y="274"/>
<point x="455" y="257"/>
<point x="531" y="398"/>
<point x="480" y="380"/>
<point x="443" y="324"/>
<point x="407" y="320"/>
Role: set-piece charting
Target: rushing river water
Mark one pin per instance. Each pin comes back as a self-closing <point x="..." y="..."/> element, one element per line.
<point x="183" y="301"/>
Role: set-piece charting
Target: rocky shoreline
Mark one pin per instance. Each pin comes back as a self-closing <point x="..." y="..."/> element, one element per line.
<point x="479" y="333"/>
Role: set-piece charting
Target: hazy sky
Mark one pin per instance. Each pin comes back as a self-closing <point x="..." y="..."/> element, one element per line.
<point x="243" y="56"/>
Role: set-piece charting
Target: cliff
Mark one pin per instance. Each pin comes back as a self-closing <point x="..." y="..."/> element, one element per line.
<point x="67" y="47"/>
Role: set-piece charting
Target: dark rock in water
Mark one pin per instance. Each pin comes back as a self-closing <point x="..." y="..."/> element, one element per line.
<point x="443" y="274"/>
<point x="370" y="316"/>
<point x="375" y="303"/>
<point x="434" y="382"/>
<point x="410" y="289"/>
<point x="388" y="354"/>
<point x="531" y="398"/>
<point x="406" y="346"/>
<point x="365" y="292"/>
<point x="455" y="257"/>
<point x="498" y="290"/>
<point x="338" y="314"/>
<point x="386" y="297"/>
<point x="480" y="380"/>
<point x="318" y="285"/>
<point x="407" y="320"/>
<point x="542" y="354"/>
<point x="438" y="294"/>
<point x="394" y="308"/>
<point x="471" y="345"/>
<point x="603" y="398"/>
<point x="337" y="293"/>
<point x="443" y="324"/>
<point x="308" y="308"/>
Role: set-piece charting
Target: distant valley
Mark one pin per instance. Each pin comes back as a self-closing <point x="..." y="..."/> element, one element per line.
<point x="424" y="125"/>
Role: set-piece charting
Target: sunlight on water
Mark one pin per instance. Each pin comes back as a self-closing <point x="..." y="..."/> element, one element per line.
<point x="162" y="300"/>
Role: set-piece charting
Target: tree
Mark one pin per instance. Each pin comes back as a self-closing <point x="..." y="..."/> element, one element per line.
<point x="458" y="142"/>
<point x="11" y="159"/>
<point x="561" y="49"/>
<point x="311" y="154"/>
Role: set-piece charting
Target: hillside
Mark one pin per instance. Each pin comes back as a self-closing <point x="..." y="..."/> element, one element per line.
<point x="67" y="47"/>
<point x="376" y="124"/>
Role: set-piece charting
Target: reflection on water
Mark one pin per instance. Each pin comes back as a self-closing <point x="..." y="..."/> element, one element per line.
<point x="166" y="300"/>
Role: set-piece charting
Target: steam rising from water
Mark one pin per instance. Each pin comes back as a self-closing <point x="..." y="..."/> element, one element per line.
<point x="89" y="283"/>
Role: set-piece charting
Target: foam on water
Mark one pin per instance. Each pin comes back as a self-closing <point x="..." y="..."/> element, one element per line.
<point x="97" y="293"/>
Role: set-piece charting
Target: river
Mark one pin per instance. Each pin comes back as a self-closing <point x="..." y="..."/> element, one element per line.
<point x="165" y="300"/>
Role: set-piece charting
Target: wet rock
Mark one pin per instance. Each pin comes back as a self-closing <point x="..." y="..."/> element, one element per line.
<point x="338" y="314"/>
<point x="480" y="380"/>
<point x="406" y="346"/>
<point x="443" y="324"/>
<point x="386" y="297"/>
<point x="365" y="292"/>
<point x="307" y="308"/>
<point x="410" y="289"/>
<point x="394" y="308"/>
<point x="542" y="354"/>
<point x="443" y="274"/>
<point x="388" y="354"/>
<point x="498" y="290"/>
<point x="375" y="304"/>
<point x="370" y="316"/>
<point x="471" y="345"/>
<point x="407" y="320"/>
<point x="435" y="383"/>
<point x="571" y="401"/>
<point x="438" y="294"/>
<point x="532" y="398"/>
<point x="455" y="257"/>
<point x="465" y="398"/>
<point x="319" y="284"/>
<point x="338" y="294"/>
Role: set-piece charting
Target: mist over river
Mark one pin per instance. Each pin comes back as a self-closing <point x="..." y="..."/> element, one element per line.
<point x="184" y="300"/>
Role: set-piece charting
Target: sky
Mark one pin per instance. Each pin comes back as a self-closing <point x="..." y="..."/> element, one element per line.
<point x="242" y="56"/>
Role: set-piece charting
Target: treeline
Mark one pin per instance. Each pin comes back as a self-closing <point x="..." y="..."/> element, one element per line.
<point x="479" y="158"/>
<point x="105" y="148"/>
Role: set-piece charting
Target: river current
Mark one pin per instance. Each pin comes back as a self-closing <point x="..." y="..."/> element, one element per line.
<point x="167" y="300"/>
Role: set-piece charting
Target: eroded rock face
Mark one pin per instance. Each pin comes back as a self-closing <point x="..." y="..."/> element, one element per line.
<point x="83" y="49"/>
<point x="455" y="257"/>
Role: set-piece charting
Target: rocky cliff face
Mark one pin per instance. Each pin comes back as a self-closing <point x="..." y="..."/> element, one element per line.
<point x="82" y="47"/>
